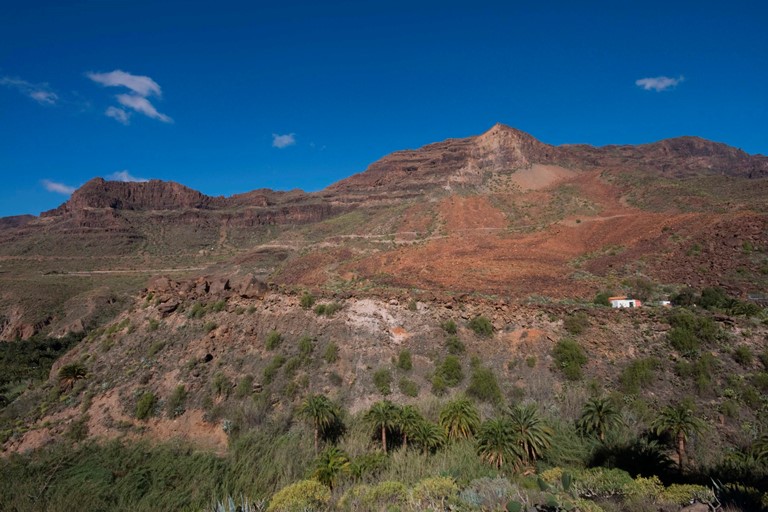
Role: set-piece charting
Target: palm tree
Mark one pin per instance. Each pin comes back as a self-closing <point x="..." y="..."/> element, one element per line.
<point x="496" y="442"/>
<point x="321" y="412"/>
<point x="680" y="422"/>
<point x="428" y="435"/>
<point x="382" y="415"/>
<point x="460" y="418"/>
<point x="70" y="373"/>
<point x="531" y="433"/>
<point x="598" y="416"/>
<point x="408" y="419"/>
<point x="330" y="465"/>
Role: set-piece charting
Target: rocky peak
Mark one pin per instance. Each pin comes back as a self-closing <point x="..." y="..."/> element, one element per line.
<point x="117" y="195"/>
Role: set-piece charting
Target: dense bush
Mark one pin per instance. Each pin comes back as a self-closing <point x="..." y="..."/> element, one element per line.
<point x="382" y="379"/>
<point x="306" y="345"/>
<point x="743" y="355"/>
<point x="404" y="361"/>
<point x="454" y="345"/>
<point x="145" y="406"/>
<point x="307" y="300"/>
<point x="329" y="309"/>
<point x="449" y="326"/>
<point x="569" y="357"/>
<point x="273" y="340"/>
<point x="408" y="387"/>
<point x="576" y="324"/>
<point x="638" y="375"/>
<point x="481" y="326"/>
<point x="331" y="354"/>
<point x="174" y="406"/>
<point x="300" y="496"/>
<point x="601" y="299"/>
<point x="450" y="371"/>
<point x="483" y="385"/>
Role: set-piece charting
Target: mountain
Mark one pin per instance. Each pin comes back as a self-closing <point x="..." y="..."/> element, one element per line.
<point x="210" y="319"/>
<point x="500" y="213"/>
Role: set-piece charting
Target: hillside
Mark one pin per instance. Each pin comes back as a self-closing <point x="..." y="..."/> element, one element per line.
<point x="474" y="267"/>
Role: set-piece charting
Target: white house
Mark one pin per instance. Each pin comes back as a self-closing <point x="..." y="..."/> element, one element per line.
<point x="624" y="302"/>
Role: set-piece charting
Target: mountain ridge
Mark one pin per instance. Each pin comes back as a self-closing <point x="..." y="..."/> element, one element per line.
<point x="454" y="161"/>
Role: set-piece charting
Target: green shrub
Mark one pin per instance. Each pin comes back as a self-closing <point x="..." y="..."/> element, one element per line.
<point x="576" y="324"/>
<point x="331" y="354"/>
<point x="155" y="348"/>
<point x="683" y="340"/>
<point x="743" y="355"/>
<point x="197" y="310"/>
<point x="408" y="387"/>
<point x="760" y="381"/>
<point x="483" y="385"/>
<point x="329" y="309"/>
<point x="145" y="406"/>
<point x="404" y="360"/>
<point x="713" y="298"/>
<point x="153" y="325"/>
<point x="413" y="305"/>
<point x="602" y="483"/>
<point x="530" y="361"/>
<point x="174" y="406"/>
<point x="454" y="345"/>
<point x="382" y="379"/>
<point x="244" y="387"/>
<point x="685" y="494"/>
<point x="601" y="299"/>
<point x="638" y="375"/>
<point x="292" y="366"/>
<point x="209" y="326"/>
<point x="689" y="331"/>
<point x="78" y="429"/>
<point x="307" y="300"/>
<point x="439" y="387"/>
<point x="700" y="371"/>
<point x="434" y="493"/>
<point x="335" y="379"/>
<point x="481" y="326"/>
<point x="306" y="345"/>
<point x="273" y="340"/>
<point x="270" y="371"/>
<point x="450" y="370"/>
<point x="218" y="306"/>
<point x="570" y="358"/>
<point x="301" y="496"/>
<point x="449" y="326"/>
<point x="221" y="385"/>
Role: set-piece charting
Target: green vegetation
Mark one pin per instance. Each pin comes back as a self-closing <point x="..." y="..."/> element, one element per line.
<point x="638" y="375"/>
<point x="404" y="361"/>
<point x="145" y="406"/>
<point x="408" y="387"/>
<point x="307" y="300"/>
<point x="569" y="358"/>
<point x="576" y="324"/>
<point x="449" y="326"/>
<point x="481" y="326"/>
<point x="329" y="309"/>
<point x="483" y="385"/>
<point x="306" y="345"/>
<point x="601" y="299"/>
<point x="273" y="340"/>
<point x="449" y="372"/>
<point x="382" y="379"/>
<point x="174" y="406"/>
<point x="331" y="354"/>
<point x="454" y="345"/>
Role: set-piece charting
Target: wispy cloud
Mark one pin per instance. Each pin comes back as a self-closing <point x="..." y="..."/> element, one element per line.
<point x="283" y="141"/>
<point x="143" y="106"/>
<point x="59" y="188"/>
<point x="659" y="83"/>
<point x="41" y="93"/>
<point x="125" y="176"/>
<point x="140" y="86"/>
<point x="118" y="114"/>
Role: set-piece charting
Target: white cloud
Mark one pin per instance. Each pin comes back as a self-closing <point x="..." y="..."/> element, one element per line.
<point x="118" y="114"/>
<point x="59" y="188"/>
<point x="659" y="83"/>
<point x="143" y="106"/>
<point x="125" y="176"/>
<point x="41" y="93"/>
<point x="283" y="141"/>
<point x="141" y="85"/>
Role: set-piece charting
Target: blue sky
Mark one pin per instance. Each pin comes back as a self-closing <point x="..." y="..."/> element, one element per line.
<point x="227" y="97"/>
